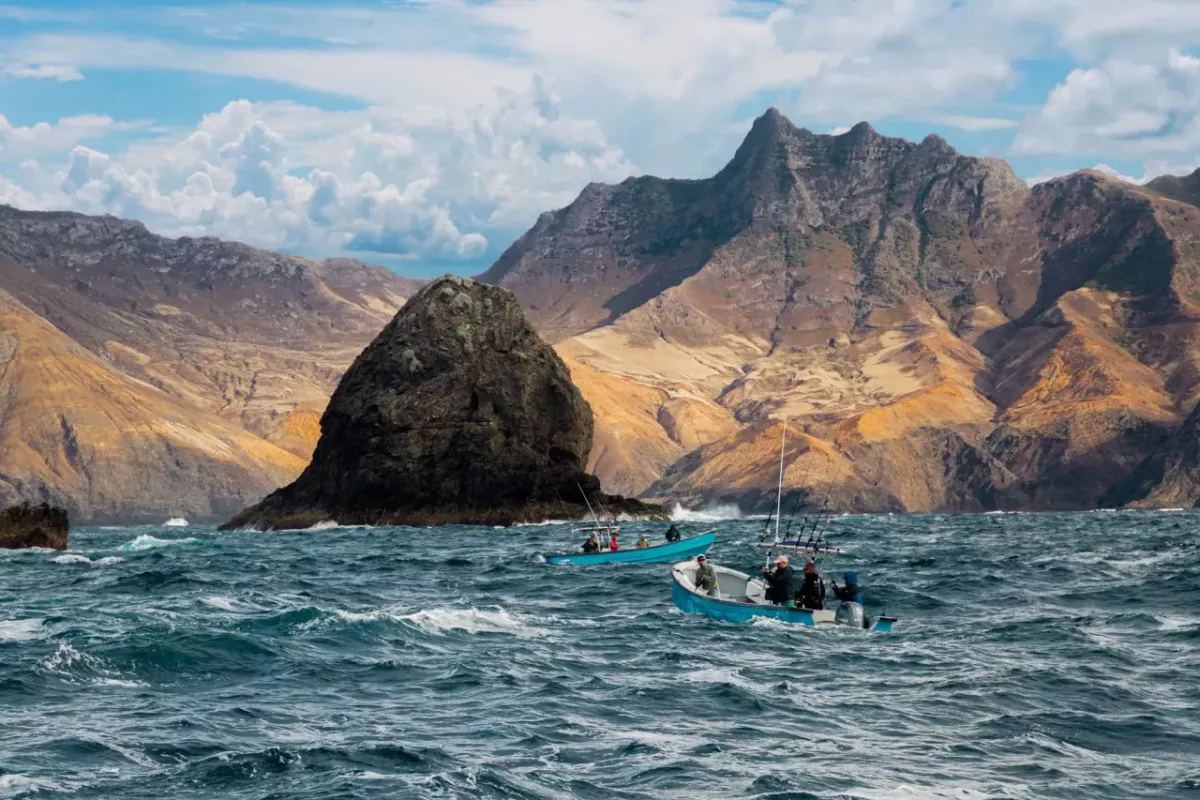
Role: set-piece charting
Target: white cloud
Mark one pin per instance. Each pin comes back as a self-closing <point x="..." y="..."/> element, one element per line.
<point x="975" y="123"/>
<point x="58" y="72"/>
<point x="1120" y="109"/>
<point x="456" y="147"/>
<point x="424" y="183"/>
<point x="20" y="142"/>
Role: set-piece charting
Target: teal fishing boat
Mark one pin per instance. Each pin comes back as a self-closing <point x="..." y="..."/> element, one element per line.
<point x="659" y="554"/>
<point x="741" y="598"/>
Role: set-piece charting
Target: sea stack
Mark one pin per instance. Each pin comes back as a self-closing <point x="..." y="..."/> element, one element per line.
<point x="33" y="526"/>
<point x="457" y="412"/>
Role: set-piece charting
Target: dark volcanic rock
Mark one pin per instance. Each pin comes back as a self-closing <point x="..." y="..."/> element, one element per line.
<point x="1169" y="477"/>
<point x="33" y="526"/>
<point x="457" y="413"/>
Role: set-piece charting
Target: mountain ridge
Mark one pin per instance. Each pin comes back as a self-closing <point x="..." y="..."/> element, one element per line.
<point x="938" y="335"/>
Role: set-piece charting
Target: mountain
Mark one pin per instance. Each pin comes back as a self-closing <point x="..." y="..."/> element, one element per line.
<point x="142" y="376"/>
<point x="1185" y="189"/>
<point x="938" y="335"/>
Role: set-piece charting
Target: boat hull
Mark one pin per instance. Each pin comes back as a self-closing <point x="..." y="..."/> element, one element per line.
<point x="692" y="602"/>
<point x="660" y="554"/>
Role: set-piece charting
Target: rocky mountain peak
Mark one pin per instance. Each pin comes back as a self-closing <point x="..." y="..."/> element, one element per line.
<point x="1184" y="188"/>
<point x="456" y="412"/>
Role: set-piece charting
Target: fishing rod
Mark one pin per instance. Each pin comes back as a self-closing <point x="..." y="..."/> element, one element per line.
<point x="595" y="519"/>
<point x="778" y="494"/>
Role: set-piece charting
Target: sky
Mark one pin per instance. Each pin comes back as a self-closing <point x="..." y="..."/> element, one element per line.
<point x="427" y="135"/>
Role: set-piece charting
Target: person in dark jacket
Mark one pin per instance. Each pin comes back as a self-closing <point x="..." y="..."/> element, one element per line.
<point x="812" y="591"/>
<point x="592" y="545"/>
<point x="673" y="533"/>
<point x="850" y="593"/>
<point x="779" y="583"/>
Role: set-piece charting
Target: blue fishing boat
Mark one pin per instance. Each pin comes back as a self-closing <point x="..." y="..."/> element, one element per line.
<point x="741" y="598"/>
<point x="659" y="554"/>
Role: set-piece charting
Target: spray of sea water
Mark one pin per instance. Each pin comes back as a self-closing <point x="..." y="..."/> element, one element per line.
<point x="1037" y="656"/>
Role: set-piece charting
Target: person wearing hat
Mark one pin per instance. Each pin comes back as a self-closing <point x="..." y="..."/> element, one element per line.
<point x="591" y="545"/>
<point x="706" y="577"/>
<point x="812" y="591"/>
<point x="779" y="583"/>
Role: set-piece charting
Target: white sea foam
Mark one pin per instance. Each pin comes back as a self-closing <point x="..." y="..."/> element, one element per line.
<point x="471" y="620"/>
<point x="219" y="601"/>
<point x="19" y="630"/>
<point x="719" y="675"/>
<point x="176" y="522"/>
<point x="328" y="524"/>
<point x="15" y="785"/>
<point x="78" y="558"/>
<point x="542" y="523"/>
<point x="148" y="542"/>
<point x="117" y="682"/>
<point x="710" y="514"/>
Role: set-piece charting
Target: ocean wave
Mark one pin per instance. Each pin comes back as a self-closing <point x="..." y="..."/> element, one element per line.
<point x="20" y="630"/>
<point x="16" y="785"/>
<point x="714" y="513"/>
<point x="74" y="666"/>
<point x="77" y="558"/>
<point x="471" y="620"/>
<point x="176" y="522"/>
<point x="148" y="542"/>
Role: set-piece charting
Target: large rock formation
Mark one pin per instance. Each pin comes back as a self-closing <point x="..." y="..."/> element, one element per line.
<point x="33" y="526"/>
<point x="457" y="413"/>
<point x="948" y="338"/>
<point x="143" y="377"/>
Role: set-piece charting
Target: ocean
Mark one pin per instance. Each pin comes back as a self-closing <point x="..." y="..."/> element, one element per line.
<point x="1036" y="656"/>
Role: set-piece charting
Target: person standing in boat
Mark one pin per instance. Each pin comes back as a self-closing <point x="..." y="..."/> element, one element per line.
<point x="706" y="577"/>
<point x="850" y="593"/>
<point x="812" y="591"/>
<point x="592" y="545"/>
<point x="643" y="542"/>
<point x="779" y="583"/>
<point x="673" y="533"/>
<point x="612" y="543"/>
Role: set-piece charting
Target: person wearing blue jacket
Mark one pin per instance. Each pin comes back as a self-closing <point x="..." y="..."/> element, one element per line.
<point x="850" y="593"/>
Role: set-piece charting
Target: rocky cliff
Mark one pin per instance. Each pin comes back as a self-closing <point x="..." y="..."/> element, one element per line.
<point x="33" y="526"/>
<point x="457" y="412"/>
<point x="943" y="336"/>
<point x="142" y="376"/>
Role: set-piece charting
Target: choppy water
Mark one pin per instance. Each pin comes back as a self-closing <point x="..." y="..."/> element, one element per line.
<point x="1038" y="656"/>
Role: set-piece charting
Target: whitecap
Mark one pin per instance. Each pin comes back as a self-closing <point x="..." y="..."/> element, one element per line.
<point x="148" y="542"/>
<point x="219" y="601"/>
<point x="176" y="522"/>
<point x="471" y="620"/>
<point x="78" y="558"/>
<point x="16" y="785"/>
<point x="20" y="630"/>
<point x="117" y="682"/>
<point x="711" y="513"/>
<point x="725" y="675"/>
<point x="328" y="524"/>
<point x="72" y="558"/>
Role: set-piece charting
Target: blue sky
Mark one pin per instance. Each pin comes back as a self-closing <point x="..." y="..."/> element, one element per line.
<point x="428" y="134"/>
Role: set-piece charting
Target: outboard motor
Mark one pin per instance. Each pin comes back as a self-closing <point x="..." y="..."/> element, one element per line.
<point x="850" y="614"/>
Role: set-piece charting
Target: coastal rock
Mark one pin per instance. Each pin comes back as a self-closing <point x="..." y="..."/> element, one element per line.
<point x="457" y="413"/>
<point x="33" y="526"/>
